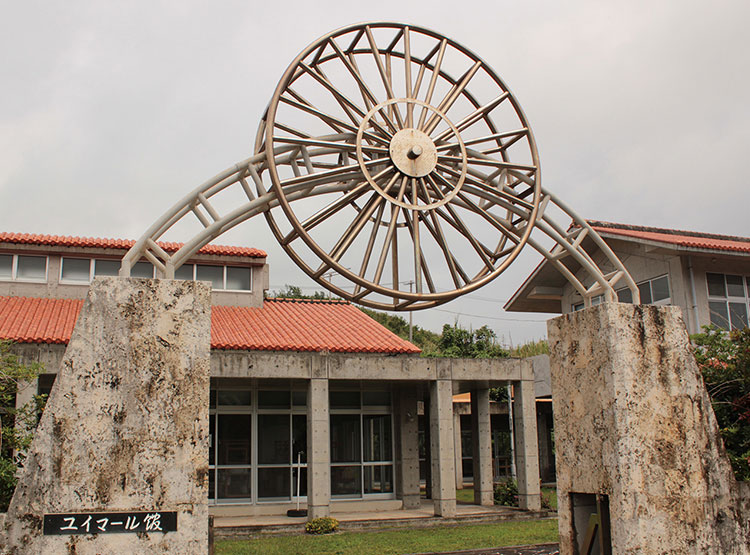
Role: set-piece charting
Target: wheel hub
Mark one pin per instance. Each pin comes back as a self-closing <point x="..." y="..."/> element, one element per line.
<point x="413" y="152"/>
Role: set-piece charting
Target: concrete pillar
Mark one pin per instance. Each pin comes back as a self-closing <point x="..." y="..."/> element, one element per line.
<point x="457" y="448"/>
<point x="441" y="439"/>
<point x="546" y="468"/>
<point x="527" y="450"/>
<point x="481" y="438"/>
<point x="407" y="463"/>
<point x="318" y="449"/>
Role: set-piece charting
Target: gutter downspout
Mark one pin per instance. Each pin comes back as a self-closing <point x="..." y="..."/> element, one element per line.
<point x="694" y="300"/>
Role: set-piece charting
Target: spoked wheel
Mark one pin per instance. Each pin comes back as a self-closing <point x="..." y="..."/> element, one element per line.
<point x="411" y="175"/>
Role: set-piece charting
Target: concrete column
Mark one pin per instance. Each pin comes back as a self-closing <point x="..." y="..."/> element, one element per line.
<point x="441" y="439"/>
<point x="407" y="464"/>
<point x="545" y="448"/>
<point x="318" y="449"/>
<point x="527" y="450"/>
<point x="457" y="448"/>
<point x="481" y="437"/>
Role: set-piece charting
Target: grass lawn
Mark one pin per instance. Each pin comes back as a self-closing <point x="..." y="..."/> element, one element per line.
<point x="399" y="541"/>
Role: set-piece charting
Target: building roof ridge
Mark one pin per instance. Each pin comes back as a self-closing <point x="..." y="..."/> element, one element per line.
<point x="296" y="300"/>
<point x="123" y="244"/>
<point x="666" y="231"/>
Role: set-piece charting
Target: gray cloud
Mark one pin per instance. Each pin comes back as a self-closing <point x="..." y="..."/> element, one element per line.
<point x="110" y="113"/>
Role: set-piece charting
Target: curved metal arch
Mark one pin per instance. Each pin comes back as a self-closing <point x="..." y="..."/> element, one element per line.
<point x="388" y="186"/>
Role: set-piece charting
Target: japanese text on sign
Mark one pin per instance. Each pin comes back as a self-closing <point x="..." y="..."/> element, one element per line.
<point x="108" y="523"/>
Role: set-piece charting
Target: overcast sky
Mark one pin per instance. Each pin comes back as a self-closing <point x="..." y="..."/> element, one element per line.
<point x="111" y="112"/>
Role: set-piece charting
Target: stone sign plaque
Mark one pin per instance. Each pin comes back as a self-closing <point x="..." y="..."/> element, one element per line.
<point x="109" y="523"/>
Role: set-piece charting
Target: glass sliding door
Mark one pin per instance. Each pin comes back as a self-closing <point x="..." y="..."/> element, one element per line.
<point x="230" y="451"/>
<point x="361" y="444"/>
<point x="255" y="440"/>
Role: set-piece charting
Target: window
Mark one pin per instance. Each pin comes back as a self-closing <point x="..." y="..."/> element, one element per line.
<point x="728" y="300"/>
<point x="230" y="278"/>
<point x="75" y="269"/>
<point x="599" y="299"/>
<point x="23" y="267"/>
<point x="361" y="443"/>
<point x="82" y="270"/>
<point x="653" y="291"/>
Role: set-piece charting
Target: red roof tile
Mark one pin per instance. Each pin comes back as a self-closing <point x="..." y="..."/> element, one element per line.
<point x="124" y="244"/>
<point x="277" y="326"/>
<point x="688" y="239"/>
<point x="26" y="320"/>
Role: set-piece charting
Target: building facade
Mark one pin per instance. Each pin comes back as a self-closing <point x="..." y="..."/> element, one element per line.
<point x="706" y="274"/>
<point x="313" y="393"/>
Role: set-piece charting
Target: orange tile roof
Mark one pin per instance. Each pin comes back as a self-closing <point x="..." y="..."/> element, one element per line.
<point x="124" y="244"/>
<point x="688" y="239"/>
<point x="26" y="320"/>
<point x="302" y="325"/>
<point x="280" y="325"/>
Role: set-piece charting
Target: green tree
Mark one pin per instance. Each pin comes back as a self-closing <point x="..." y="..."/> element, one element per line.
<point x="295" y="292"/>
<point x="724" y="360"/>
<point x="18" y="423"/>
<point x="456" y="341"/>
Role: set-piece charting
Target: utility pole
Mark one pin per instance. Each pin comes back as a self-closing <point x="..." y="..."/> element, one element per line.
<point x="411" y="282"/>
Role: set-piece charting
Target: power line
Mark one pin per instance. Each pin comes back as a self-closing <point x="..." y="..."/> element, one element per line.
<point x="486" y="317"/>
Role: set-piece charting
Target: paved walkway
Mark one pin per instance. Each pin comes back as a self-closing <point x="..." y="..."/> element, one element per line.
<point x="227" y="526"/>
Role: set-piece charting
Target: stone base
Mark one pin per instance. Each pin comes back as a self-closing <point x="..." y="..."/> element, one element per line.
<point x="633" y="422"/>
<point x="126" y="426"/>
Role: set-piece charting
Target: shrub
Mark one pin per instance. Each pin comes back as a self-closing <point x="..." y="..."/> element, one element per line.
<point x="506" y="493"/>
<point x="7" y="482"/>
<point x="546" y="502"/>
<point x="323" y="525"/>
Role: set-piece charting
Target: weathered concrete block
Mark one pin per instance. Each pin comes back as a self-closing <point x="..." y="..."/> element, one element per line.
<point x="633" y="421"/>
<point x="126" y="426"/>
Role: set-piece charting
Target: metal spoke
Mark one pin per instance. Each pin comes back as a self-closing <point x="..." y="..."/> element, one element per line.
<point x="329" y="144"/>
<point x="475" y="115"/>
<point x="433" y="81"/>
<point x="498" y="192"/>
<point x="494" y="137"/>
<point x="407" y="77"/>
<point x="351" y="67"/>
<point x="456" y="221"/>
<point x="330" y="120"/>
<point x="370" y="245"/>
<point x="327" y="211"/>
<point x="355" y="227"/>
<point x="451" y="97"/>
<point x="437" y="233"/>
<point x="325" y="176"/>
<point x="387" y="243"/>
<point x="424" y="268"/>
<point x="383" y="75"/>
<point x="486" y="162"/>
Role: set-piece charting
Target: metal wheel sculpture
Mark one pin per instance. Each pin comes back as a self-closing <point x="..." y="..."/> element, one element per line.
<point x="397" y="162"/>
<point x="429" y="155"/>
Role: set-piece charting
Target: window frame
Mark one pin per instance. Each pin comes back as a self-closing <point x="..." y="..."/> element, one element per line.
<point x="14" y="268"/>
<point x="224" y="272"/>
<point x="74" y="281"/>
<point x="661" y="302"/>
<point x="728" y="299"/>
